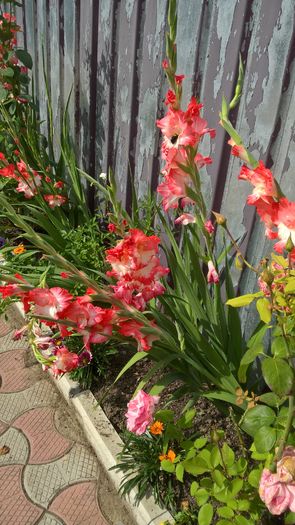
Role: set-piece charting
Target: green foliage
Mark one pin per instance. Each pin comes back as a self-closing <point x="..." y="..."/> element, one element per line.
<point x="140" y="464"/>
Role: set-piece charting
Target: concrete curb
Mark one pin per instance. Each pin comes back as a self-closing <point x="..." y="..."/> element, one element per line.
<point x="105" y="442"/>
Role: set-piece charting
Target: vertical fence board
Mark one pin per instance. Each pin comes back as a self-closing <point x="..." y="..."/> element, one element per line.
<point x="69" y="15"/>
<point x="150" y="100"/>
<point x="84" y="87"/>
<point x="42" y="48"/>
<point x="104" y="87"/>
<point x="128" y="15"/>
<point x="19" y="13"/>
<point x="55" y="73"/>
<point x="31" y="37"/>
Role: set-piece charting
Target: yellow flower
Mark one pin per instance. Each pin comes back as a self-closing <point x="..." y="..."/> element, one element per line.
<point x="19" y="249"/>
<point x="157" y="428"/>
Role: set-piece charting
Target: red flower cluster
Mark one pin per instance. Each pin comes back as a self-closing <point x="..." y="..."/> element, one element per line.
<point x="180" y="129"/>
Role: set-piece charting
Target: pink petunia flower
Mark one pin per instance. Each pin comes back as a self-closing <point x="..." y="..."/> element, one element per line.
<point x="140" y="412"/>
<point x="277" y="490"/>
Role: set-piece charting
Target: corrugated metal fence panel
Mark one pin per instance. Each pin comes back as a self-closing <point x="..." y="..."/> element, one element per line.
<point x="111" y="53"/>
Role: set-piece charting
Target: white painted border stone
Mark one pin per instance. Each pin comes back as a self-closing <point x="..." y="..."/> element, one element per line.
<point x="105" y="442"/>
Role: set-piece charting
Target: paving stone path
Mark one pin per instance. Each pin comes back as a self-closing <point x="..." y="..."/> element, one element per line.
<point x="50" y="476"/>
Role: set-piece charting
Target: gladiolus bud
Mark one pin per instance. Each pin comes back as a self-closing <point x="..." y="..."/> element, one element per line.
<point x="220" y="219"/>
<point x="289" y="245"/>
<point x="267" y="277"/>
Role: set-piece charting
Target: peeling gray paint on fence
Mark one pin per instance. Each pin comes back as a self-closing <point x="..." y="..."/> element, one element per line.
<point x="111" y="52"/>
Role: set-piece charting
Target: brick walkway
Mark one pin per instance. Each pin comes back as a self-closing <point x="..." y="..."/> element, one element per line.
<point x="50" y="476"/>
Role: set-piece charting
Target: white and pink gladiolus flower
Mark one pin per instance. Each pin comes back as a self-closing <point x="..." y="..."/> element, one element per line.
<point x="136" y="264"/>
<point x="277" y="490"/>
<point x="185" y="219"/>
<point x="212" y="275"/>
<point x="49" y="302"/>
<point x="132" y="328"/>
<point x="140" y="412"/>
<point x="54" y="201"/>
<point x="263" y="181"/>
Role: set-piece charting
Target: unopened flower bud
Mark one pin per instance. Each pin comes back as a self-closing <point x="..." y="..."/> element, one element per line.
<point x="267" y="276"/>
<point x="220" y="219"/>
<point x="215" y="436"/>
<point x="289" y="244"/>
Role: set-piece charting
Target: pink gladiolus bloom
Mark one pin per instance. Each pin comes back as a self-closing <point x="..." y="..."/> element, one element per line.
<point x="262" y="180"/>
<point x="170" y="98"/>
<point x="183" y="128"/>
<point x="286" y="220"/>
<point x="111" y="227"/>
<point x="59" y="184"/>
<point x="9" y="17"/>
<point x="28" y="181"/>
<point x="49" y="302"/>
<point x="173" y="188"/>
<point x="209" y="227"/>
<point x="132" y="328"/>
<point x="212" y="276"/>
<point x="55" y="200"/>
<point x="140" y="412"/>
<point x="8" y="171"/>
<point x="179" y="79"/>
<point x="95" y="324"/>
<point x="185" y="219"/>
<point x="65" y="361"/>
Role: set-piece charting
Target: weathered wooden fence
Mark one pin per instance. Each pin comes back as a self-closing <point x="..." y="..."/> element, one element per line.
<point x="109" y="52"/>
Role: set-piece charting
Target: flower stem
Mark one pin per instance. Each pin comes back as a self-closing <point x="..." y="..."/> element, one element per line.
<point x="287" y="428"/>
<point x="238" y="431"/>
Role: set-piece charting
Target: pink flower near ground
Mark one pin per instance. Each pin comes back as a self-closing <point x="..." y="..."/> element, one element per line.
<point x="277" y="495"/>
<point x="140" y="412"/>
<point x="212" y="276"/>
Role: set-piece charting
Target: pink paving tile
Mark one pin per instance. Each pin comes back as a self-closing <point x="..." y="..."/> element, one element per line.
<point x="3" y="427"/>
<point x="46" y="443"/>
<point x="4" y="328"/>
<point x="15" y="376"/>
<point x="77" y="505"/>
<point x="15" y="507"/>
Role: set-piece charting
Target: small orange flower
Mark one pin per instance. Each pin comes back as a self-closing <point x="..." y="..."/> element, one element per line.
<point x="19" y="249"/>
<point x="157" y="428"/>
<point x="170" y="456"/>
